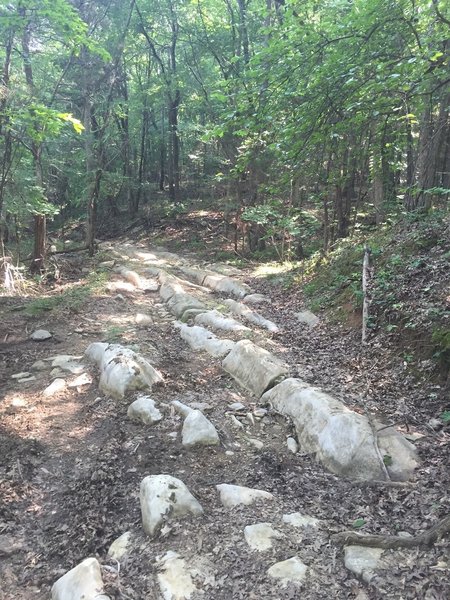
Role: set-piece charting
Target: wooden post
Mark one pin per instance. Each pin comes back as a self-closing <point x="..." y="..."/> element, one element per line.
<point x="366" y="276"/>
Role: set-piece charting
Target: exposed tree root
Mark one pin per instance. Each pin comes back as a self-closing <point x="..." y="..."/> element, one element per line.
<point x="427" y="538"/>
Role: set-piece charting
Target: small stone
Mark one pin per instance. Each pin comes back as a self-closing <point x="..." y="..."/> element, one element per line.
<point x="39" y="365"/>
<point x="237" y="406"/>
<point x="9" y="545"/>
<point x="259" y="536"/>
<point x="298" y="520"/>
<point x="198" y="430"/>
<point x="175" y="580"/>
<point x="308" y="318"/>
<point x="56" y="372"/>
<point x="256" y="443"/>
<point x="165" y="497"/>
<point x="40" y="335"/>
<point x="143" y="320"/>
<point x="83" y="379"/>
<point x="83" y="582"/>
<point x="236" y="422"/>
<point x="120" y="546"/>
<point x="233" y="495"/>
<point x="27" y="379"/>
<point x="292" y="445"/>
<point x="260" y="412"/>
<point x="21" y="375"/>
<point x="289" y="571"/>
<point x="435" y="424"/>
<point x="119" y="297"/>
<point x="362" y="560"/>
<point x="107" y="264"/>
<point x="57" y="385"/>
<point x="144" y="409"/>
<point x="19" y="402"/>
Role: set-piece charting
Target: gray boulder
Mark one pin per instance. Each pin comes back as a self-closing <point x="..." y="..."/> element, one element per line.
<point x="253" y="367"/>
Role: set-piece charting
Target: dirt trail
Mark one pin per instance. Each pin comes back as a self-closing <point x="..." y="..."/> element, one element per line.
<point x="72" y="465"/>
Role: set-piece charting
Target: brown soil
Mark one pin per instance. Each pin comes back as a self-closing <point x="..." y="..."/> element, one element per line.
<point x="71" y="464"/>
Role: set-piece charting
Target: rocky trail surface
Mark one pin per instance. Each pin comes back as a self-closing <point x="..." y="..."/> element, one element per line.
<point x="190" y="453"/>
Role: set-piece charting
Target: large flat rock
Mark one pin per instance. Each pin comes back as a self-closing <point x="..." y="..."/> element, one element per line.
<point x="253" y="367"/>
<point x="215" y="320"/>
<point x="201" y="339"/>
<point x="165" y="497"/>
<point x="83" y="582"/>
<point x="227" y="285"/>
<point x="238" y="308"/>
<point x="341" y="439"/>
<point x="121" y="369"/>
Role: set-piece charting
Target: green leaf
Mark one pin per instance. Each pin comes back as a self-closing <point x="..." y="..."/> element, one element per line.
<point x="358" y="523"/>
<point x="445" y="416"/>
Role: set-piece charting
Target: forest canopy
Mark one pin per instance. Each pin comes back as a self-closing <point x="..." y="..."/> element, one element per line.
<point x="300" y="117"/>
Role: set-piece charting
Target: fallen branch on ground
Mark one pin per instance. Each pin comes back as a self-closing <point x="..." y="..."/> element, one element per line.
<point x="427" y="538"/>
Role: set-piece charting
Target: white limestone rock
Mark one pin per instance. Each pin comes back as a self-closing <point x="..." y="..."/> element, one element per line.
<point x="180" y="303"/>
<point x="341" y="439"/>
<point x="292" y="445"/>
<point x="143" y="409"/>
<point x="121" y="369"/>
<point x="198" y="430"/>
<point x="259" y="536"/>
<point x="183" y="409"/>
<point x="238" y="308"/>
<point x="83" y="379"/>
<point x="174" y="578"/>
<point x="83" y="582"/>
<point x="227" y="285"/>
<point x="201" y="339"/>
<point x="39" y="365"/>
<point x="253" y="367"/>
<point x="40" y="335"/>
<point x="307" y="317"/>
<point x="130" y="276"/>
<point x="288" y="571"/>
<point x="233" y="495"/>
<point x="363" y="560"/>
<point x="196" y="275"/>
<point x="68" y="363"/>
<point x="164" y="497"/>
<point x="299" y="520"/>
<point x="120" y="547"/>
<point x="57" y="385"/>
<point x="255" y="299"/>
<point x="215" y="320"/>
<point x="21" y="375"/>
<point x="143" y="320"/>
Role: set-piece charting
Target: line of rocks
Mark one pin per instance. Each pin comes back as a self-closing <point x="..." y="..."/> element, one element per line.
<point x="344" y="441"/>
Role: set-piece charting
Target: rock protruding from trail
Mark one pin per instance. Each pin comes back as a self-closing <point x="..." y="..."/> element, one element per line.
<point x="121" y="369"/>
<point x="165" y="497"/>
<point x="259" y="536"/>
<point x="299" y="520"/>
<point x="253" y="367"/>
<point x="174" y="578"/>
<point x="40" y="335"/>
<point x="83" y="582"/>
<point x="215" y="320"/>
<point x="68" y="363"/>
<point x="363" y="560"/>
<point x="292" y="570"/>
<point x="341" y="439"/>
<point x="307" y="318"/>
<point x="201" y="339"/>
<point x="143" y="409"/>
<point x="56" y="386"/>
<point x="238" y="308"/>
<point x="130" y="276"/>
<point x="178" y="300"/>
<point x="120" y="546"/>
<point x="255" y="299"/>
<point x="227" y="285"/>
<point x="198" y="430"/>
<point x="234" y="495"/>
